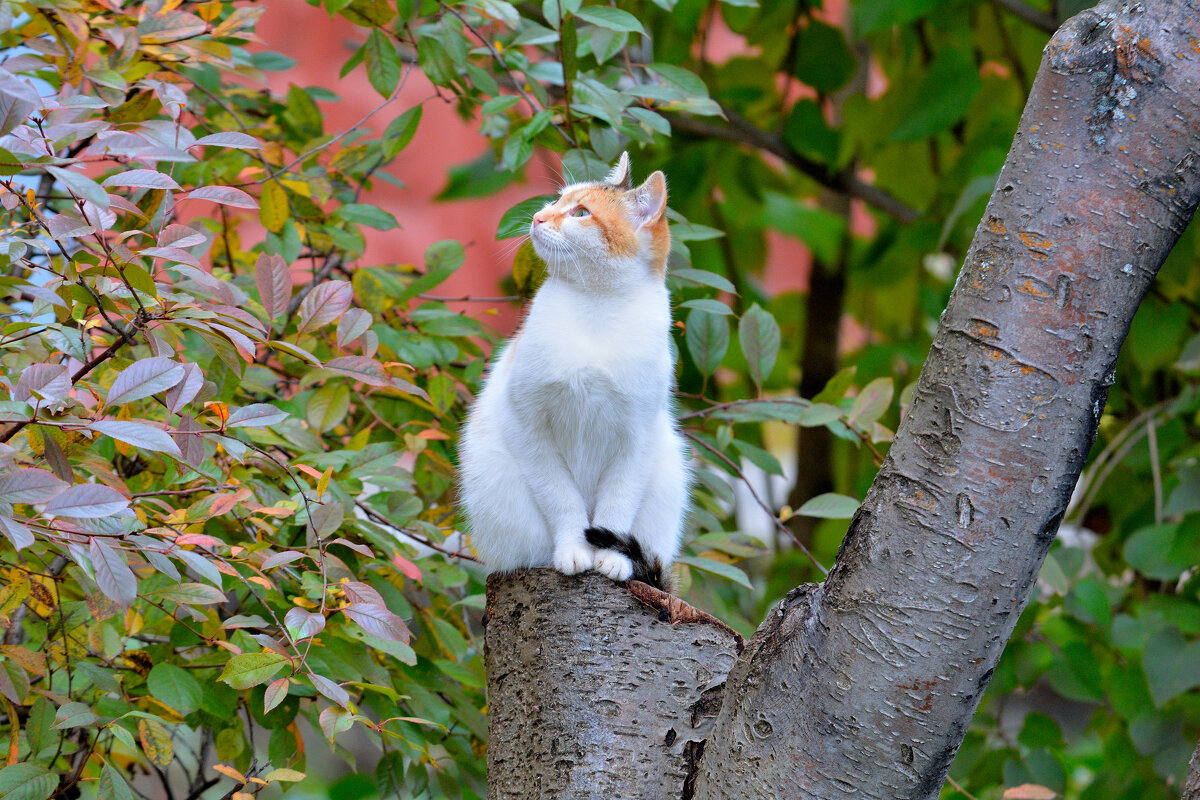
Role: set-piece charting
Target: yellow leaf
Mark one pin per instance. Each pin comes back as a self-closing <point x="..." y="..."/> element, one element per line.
<point x="323" y="483"/>
<point x="273" y="210"/>
<point x="230" y="772"/>
<point x="34" y="663"/>
<point x="209" y="11"/>
<point x="528" y="270"/>
<point x="156" y="743"/>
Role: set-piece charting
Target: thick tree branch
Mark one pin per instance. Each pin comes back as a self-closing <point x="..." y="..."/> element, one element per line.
<point x="1191" y="788"/>
<point x="866" y="685"/>
<point x="743" y="131"/>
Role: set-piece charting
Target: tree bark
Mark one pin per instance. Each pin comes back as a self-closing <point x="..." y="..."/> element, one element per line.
<point x="865" y="685"/>
<point x="1191" y="787"/>
<point x="595" y="691"/>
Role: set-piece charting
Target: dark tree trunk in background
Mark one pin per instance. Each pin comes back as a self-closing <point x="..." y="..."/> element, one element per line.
<point x="865" y="685"/>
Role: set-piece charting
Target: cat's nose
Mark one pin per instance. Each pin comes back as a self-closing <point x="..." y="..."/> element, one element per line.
<point x="539" y="218"/>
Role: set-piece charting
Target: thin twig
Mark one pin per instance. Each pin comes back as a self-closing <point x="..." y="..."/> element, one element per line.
<point x="1021" y="9"/>
<point x="381" y="520"/>
<point x="761" y="503"/>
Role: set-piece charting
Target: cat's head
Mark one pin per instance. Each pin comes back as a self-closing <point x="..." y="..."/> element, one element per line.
<point x="606" y="234"/>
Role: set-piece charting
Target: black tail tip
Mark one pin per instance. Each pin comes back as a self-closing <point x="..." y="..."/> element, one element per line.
<point x="647" y="570"/>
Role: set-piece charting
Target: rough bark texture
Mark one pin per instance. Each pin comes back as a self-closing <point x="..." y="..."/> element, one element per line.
<point x="595" y="690"/>
<point x="865" y="686"/>
<point x="1191" y="787"/>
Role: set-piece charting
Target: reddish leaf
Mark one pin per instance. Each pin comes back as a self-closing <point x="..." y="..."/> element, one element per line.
<point x="361" y="368"/>
<point x="329" y="689"/>
<point x="224" y="195"/>
<point x="144" y="378"/>
<point x="256" y="415"/>
<point x="325" y="303"/>
<point x="407" y="567"/>
<point x="354" y="323"/>
<point x="138" y="434"/>
<point x="378" y="621"/>
<point x="241" y="141"/>
<point x="279" y="559"/>
<point x="302" y="623"/>
<point x="30" y="486"/>
<point x="87" y="501"/>
<point x="186" y="390"/>
<point x="44" y="382"/>
<point x="17" y="532"/>
<point x="142" y="179"/>
<point x="273" y="696"/>
<point x="113" y="575"/>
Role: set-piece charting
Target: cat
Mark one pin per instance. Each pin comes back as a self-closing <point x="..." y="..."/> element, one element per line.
<point x="570" y="456"/>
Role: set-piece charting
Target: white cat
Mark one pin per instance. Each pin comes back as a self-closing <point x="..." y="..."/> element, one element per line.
<point x="570" y="457"/>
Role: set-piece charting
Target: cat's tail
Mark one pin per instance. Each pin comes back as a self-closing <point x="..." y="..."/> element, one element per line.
<point x="649" y="570"/>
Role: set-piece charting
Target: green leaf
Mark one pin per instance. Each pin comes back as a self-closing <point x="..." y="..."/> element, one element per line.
<point x="328" y="407"/>
<point x="875" y="15"/>
<point x="250" y="669"/>
<point x="829" y="506"/>
<point x="760" y="339"/>
<point x="112" y="785"/>
<point x="707" y="304"/>
<point x="73" y="715"/>
<point x="363" y="214"/>
<point x="175" y="687"/>
<point x="614" y="19"/>
<point x="871" y="402"/>
<point x="27" y="781"/>
<point x="383" y="63"/>
<point x="822" y="230"/>
<point x="1170" y="664"/>
<point x="400" y="131"/>
<point x="727" y="571"/>
<point x="941" y="98"/>
<point x="200" y="594"/>
<point x="837" y="386"/>
<point x="822" y="59"/>
<point x="707" y="339"/>
<point x="516" y="221"/>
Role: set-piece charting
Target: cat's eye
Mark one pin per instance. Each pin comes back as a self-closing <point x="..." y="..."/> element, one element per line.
<point x="580" y="211"/>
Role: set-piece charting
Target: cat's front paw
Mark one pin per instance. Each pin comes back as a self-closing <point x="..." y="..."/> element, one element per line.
<point x="572" y="558"/>
<point x="613" y="565"/>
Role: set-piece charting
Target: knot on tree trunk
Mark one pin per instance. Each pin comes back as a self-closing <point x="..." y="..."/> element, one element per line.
<point x="597" y="689"/>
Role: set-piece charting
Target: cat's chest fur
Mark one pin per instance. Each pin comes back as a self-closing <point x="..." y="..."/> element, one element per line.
<point x="583" y="365"/>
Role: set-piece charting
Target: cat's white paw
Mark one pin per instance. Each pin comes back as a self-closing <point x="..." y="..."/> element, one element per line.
<point x="572" y="558"/>
<point x="614" y="565"/>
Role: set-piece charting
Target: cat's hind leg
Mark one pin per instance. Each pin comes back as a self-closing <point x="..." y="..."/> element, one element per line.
<point x="659" y="520"/>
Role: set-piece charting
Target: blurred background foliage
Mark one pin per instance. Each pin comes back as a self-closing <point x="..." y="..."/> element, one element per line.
<point x="231" y="562"/>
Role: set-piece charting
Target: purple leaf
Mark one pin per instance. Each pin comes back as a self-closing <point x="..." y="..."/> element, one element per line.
<point x="325" y="303"/>
<point x="186" y="390"/>
<point x="87" y="501"/>
<point x="113" y="575"/>
<point x="302" y="623"/>
<point x="180" y="236"/>
<point x="274" y="281"/>
<point x="361" y="368"/>
<point x="241" y="141"/>
<point x="354" y="323"/>
<point x="187" y="436"/>
<point x="47" y="382"/>
<point x="378" y="621"/>
<point x="17" y="100"/>
<point x="142" y="179"/>
<point x="144" y="378"/>
<point x="30" y="486"/>
<point x="256" y="415"/>
<point x="329" y="689"/>
<point x="279" y="559"/>
<point x="225" y="195"/>
<point x="175" y="254"/>
<point x="138" y="434"/>
<point x="17" y="532"/>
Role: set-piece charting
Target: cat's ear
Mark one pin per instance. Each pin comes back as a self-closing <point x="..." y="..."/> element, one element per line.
<point x="621" y="177"/>
<point x="650" y="200"/>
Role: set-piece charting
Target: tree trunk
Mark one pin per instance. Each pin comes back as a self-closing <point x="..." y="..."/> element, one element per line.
<point x="595" y="691"/>
<point x="865" y="685"/>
